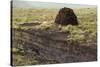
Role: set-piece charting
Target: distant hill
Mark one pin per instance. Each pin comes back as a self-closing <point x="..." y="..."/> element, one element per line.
<point x="33" y="4"/>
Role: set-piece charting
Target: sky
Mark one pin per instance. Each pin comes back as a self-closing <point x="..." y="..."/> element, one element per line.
<point x="34" y="4"/>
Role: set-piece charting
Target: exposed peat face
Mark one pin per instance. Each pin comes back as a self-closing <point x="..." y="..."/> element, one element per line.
<point x="66" y="16"/>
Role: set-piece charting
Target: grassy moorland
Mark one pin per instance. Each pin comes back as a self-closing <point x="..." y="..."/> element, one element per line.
<point x="37" y="25"/>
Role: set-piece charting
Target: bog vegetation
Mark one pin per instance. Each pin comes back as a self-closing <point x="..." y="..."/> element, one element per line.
<point x="85" y="32"/>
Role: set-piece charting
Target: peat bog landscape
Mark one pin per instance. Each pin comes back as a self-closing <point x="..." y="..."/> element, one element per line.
<point x="37" y="38"/>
